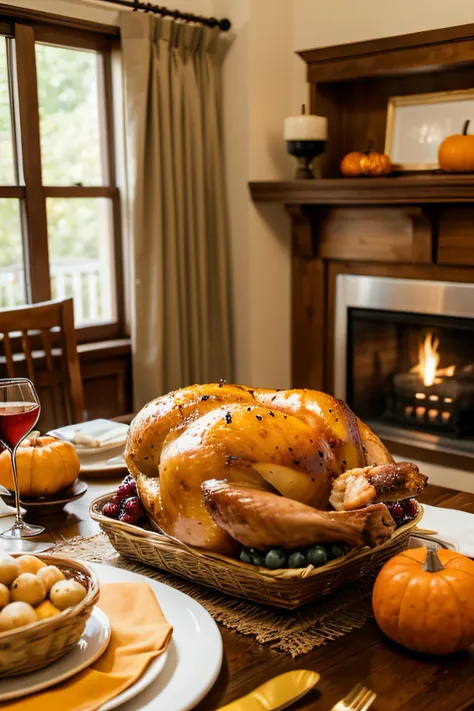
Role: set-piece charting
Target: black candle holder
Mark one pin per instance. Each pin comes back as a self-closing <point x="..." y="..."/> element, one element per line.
<point x="305" y="152"/>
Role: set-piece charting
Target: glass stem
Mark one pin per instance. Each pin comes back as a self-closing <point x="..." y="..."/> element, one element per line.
<point x="18" y="518"/>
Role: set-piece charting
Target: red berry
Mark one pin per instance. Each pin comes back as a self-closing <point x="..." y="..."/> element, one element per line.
<point x="396" y="511"/>
<point x="133" y="507"/>
<point x="126" y="517"/>
<point x="411" y="508"/>
<point x="111" y="509"/>
<point x="124" y="491"/>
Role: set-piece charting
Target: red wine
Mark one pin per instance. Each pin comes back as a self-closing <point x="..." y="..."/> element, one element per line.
<point x="16" y="420"/>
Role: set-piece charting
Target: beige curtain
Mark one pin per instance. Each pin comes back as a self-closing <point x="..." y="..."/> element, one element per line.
<point x="178" y="249"/>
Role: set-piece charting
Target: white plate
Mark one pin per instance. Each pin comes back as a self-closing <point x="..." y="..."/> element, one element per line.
<point x="96" y="429"/>
<point x="194" y="653"/>
<point x="104" y="467"/>
<point x="91" y="646"/>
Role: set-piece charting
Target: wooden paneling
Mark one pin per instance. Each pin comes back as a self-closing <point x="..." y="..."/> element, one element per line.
<point x="374" y="234"/>
<point x="456" y="237"/>
<point x="363" y="103"/>
<point x="326" y="101"/>
<point x="107" y="387"/>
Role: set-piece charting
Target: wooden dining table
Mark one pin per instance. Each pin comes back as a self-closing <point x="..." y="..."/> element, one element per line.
<point x="401" y="679"/>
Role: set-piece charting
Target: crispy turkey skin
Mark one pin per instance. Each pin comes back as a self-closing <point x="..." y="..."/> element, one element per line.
<point x="291" y="445"/>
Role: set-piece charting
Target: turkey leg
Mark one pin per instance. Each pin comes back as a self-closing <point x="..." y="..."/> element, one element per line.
<point x="263" y="520"/>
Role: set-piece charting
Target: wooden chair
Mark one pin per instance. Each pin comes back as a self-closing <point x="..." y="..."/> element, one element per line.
<point x="39" y="342"/>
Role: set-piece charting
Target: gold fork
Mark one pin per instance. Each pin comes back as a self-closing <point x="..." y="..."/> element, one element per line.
<point x="358" y="699"/>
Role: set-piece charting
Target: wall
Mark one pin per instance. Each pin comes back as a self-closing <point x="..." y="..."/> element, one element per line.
<point x="257" y="97"/>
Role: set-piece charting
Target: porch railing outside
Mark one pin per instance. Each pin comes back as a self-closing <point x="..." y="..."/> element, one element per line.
<point x="79" y="279"/>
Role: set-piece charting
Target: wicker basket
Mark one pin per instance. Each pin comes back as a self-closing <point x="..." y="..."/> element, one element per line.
<point x="35" y="646"/>
<point x="287" y="589"/>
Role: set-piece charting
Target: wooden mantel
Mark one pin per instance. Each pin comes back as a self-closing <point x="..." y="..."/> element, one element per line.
<point x="399" y="190"/>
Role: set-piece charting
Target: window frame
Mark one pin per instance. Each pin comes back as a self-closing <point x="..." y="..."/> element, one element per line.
<point x="26" y="27"/>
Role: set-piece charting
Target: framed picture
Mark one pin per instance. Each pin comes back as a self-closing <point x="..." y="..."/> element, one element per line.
<point x="417" y="124"/>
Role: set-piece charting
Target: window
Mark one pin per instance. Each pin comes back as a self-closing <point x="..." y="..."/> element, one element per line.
<point x="59" y="231"/>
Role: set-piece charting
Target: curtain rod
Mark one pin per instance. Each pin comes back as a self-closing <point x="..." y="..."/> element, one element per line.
<point x="223" y="24"/>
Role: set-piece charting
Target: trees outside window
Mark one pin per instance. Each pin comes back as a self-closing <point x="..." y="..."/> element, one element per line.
<point x="59" y="231"/>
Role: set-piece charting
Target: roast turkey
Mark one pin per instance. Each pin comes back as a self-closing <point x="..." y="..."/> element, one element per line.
<point x="220" y="465"/>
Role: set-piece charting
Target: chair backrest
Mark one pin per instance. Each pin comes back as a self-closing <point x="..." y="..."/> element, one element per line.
<point x="44" y="335"/>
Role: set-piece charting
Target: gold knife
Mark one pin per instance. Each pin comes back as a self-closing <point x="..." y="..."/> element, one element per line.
<point x="277" y="693"/>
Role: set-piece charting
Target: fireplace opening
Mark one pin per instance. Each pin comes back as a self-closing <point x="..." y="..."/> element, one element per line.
<point x="413" y="371"/>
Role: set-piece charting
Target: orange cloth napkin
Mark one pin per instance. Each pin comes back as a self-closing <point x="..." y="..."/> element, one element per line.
<point x="140" y="633"/>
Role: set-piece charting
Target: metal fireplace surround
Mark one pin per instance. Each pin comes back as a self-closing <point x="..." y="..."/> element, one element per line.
<point x="433" y="298"/>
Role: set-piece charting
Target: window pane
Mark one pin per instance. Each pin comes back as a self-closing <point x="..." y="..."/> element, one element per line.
<point x="81" y="256"/>
<point x="12" y="269"/>
<point x="68" y="92"/>
<point x="7" y="171"/>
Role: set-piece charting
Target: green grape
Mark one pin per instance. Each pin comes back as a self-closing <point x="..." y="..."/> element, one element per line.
<point x="317" y="555"/>
<point x="297" y="560"/>
<point x="245" y="556"/>
<point x="275" y="559"/>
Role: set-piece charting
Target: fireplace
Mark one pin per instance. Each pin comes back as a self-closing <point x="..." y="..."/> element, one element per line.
<point x="404" y="358"/>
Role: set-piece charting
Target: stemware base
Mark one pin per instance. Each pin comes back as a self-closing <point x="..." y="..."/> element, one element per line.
<point x="22" y="530"/>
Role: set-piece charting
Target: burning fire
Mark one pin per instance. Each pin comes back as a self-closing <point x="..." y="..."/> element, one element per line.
<point x="428" y="361"/>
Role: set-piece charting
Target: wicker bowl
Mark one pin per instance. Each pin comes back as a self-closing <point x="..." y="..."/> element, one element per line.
<point x="287" y="588"/>
<point x="34" y="646"/>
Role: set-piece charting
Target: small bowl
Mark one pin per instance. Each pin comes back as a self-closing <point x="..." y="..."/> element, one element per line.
<point x="47" y="505"/>
<point x="34" y="646"/>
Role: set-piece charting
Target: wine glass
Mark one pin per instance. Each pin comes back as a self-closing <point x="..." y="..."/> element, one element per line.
<point x="19" y="413"/>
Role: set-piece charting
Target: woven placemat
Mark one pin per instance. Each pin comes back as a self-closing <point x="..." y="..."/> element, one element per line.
<point x="294" y="633"/>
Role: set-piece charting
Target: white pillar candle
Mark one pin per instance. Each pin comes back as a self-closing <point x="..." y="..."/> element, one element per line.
<point x="306" y="128"/>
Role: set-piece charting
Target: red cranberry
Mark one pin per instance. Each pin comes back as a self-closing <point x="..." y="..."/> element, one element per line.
<point x="111" y="509"/>
<point x="126" y="517"/>
<point x="133" y="507"/>
<point x="396" y="511"/>
<point x="127" y="490"/>
<point x="411" y="508"/>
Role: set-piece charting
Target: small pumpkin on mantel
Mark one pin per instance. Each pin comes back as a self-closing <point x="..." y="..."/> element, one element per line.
<point x="366" y="163"/>
<point x="456" y="153"/>
<point x="424" y="600"/>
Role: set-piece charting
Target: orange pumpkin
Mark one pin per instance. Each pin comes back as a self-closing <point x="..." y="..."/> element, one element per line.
<point x="456" y="153"/>
<point x="45" y="466"/>
<point x="369" y="163"/>
<point x="425" y="600"/>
